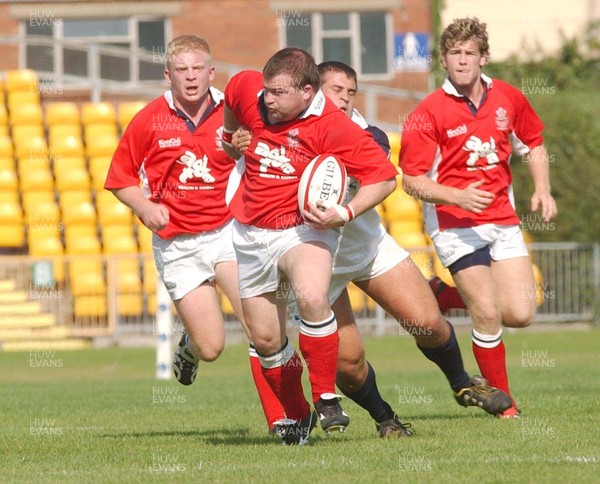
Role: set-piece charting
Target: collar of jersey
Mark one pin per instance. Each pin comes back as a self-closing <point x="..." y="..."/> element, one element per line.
<point x="449" y="88"/>
<point x="216" y="96"/>
<point x="357" y="118"/>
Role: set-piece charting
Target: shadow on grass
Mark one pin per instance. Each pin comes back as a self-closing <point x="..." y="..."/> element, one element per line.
<point x="212" y="436"/>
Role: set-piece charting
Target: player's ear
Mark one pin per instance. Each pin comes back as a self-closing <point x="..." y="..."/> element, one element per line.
<point x="308" y="91"/>
<point x="167" y="75"/>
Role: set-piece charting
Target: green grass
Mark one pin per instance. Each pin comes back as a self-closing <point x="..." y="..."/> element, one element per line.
<point x="100" y="416"/>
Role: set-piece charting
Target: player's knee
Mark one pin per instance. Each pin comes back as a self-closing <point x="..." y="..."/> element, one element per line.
<point x="350" y="364"/>
<point x="518" y="318"/>
<point x="314" y="307"/>
<point x="426" y="323"/>
<point x="211" y="353"/>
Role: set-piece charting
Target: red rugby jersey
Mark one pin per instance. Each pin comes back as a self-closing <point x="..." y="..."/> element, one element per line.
<point x="445" y="140"/>
<point x="185" y="171"/>
<point x="278" y="154"/>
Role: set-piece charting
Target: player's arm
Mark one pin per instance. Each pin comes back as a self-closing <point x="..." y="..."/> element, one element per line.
<point x="539" y="168"/>
<point x="154" y="215"/>
<point x="367" y="197"/>
<point x="470" y="198"/>
<point x="230" y="125"/>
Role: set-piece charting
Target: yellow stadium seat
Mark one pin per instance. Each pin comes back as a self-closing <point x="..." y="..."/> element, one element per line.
<point x="12" y="233"/>
<point x="33" y="148"/>
<point x="400" y="206"/>
<point x="36" y="180"/>
<point x="98" y="170"/>
<point x="62" y="113"/>
<point x="43" y="245"/>
<point x="31" y="199"/>
<point x="539" y="285"/>
<point x="101" y="145"/>
<point x="9" y="197"/>
<point x="33" y="163"/>
<point x="6" y="147"/>
<point x="150" y="275"/>
<point x="126" y="111"/>
<point x="57" y="132"/>
<point x="67" y="164"/>
<point x="7" y="164"/>
<point x="76" y="231"/>
<point x="8" y="180"/>
<point x="118" y="239"/>
<point x="442" y="272"/>
<point x="82" y="213"/>
<point x="4" y="131"/>
<point x="67" y="146"/>
<point x="111" y="211"/>
<point x="394" y="139"/>
<point x="15" y="100"/>
<point x="26" y="114"/>
<point x="73" y="179"/>
<point x="409" y="240"/>
<point x="89" y="306"/>
<point x="43" y="215"/>
<point x="86" y="278"/>
<point x="94" y="131"/>
<point x="70" y="197"/>
<point x="357" y="298"/>
<point x="99" y="113"/>
<point x="12" y="236"/>
<point x="405" y="226"/>
<point x="130" y="304"/>
<point x="21" y="80"/>
<point x="10" y="213"/>
<point x="144" y="238"/>
<point x="3" y="115"/>
<point x="83" y="245"/>
<point x="22" y="133"/>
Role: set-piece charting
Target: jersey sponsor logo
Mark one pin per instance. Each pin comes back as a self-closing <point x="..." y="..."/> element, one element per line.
<point x="462" y="129"/>
<point x="501" y="119"/>
<point x="195" y="168"/>
<point x="481" y="150"/>
<point x="273" y="158"/>
<point x="169" y="143"/>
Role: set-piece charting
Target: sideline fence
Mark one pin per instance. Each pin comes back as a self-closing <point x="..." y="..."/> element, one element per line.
<point x="112" y="305"/>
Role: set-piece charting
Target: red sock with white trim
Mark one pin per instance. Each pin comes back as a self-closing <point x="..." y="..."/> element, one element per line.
<point x="272" y="407"/>
<point x="319" y="344"/>
<point x="490" y="354"/>
<point x="283" y="372"/>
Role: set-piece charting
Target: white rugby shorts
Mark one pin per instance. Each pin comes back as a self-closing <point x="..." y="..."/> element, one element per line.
<point x="387" y="256"/>
<point x="258" y="252"/>
<point x="504" y="241"/>
<point x="186" y="261"/>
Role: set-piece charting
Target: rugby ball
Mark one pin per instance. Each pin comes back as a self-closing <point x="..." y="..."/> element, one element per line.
<point x="323" y="183"/>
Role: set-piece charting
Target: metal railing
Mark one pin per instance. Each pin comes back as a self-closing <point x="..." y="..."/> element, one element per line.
<point x="104" y="69"/>
<point x="570" y="291"/>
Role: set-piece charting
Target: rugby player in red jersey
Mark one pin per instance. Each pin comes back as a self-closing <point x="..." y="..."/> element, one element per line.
<point x="455" y="156"/>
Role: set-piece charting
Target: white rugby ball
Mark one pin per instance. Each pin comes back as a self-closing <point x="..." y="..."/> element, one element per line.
<point x="324" y="181"/>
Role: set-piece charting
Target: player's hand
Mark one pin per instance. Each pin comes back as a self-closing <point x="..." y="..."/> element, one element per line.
<point x="241" y="139"/>
<point x="322" y="219"/>
<point x="474" y="200"/>
<point x="548" y="204"/>
<point x="155" y="216"/>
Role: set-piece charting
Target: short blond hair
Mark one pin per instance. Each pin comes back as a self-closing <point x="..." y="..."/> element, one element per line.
<point x="462" y="30"/>
<point x="186" y="43"/>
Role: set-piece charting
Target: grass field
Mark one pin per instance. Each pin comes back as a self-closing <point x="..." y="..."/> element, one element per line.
<point x="99" y="415"/>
